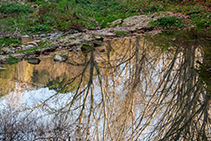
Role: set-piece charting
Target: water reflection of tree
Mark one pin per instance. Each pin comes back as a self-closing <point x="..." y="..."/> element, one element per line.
<point x="138" y="92"/>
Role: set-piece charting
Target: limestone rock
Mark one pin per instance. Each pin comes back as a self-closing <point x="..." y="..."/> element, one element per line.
<point x="32" y="43"/>
<point x="18" y="56"/>
<point x="73" y="36"/>
<point x="134" y="20"/>
<point x="42" y="35"/>
<point x="60" y="56"/>
<point x="104" y="33"/>
<point x="18" y="48"/>
<point x="25" y="36"/>
<point x="99" y="38"/>
<point x="37" y="41"/>
<point x="29" y="46"/>
<point x="116" y="22"/>
<point x="87" y="37"/>
<point x="75" y="42"/>
<point x="23" y="46"/>
<point x="4" y="57"/>
<point x="6" y="50"/>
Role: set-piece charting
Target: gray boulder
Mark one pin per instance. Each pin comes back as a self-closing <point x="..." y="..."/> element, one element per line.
<point x="116" y="22"/>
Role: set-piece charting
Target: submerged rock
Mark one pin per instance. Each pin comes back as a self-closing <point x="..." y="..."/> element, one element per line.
<point x="60" y="56"/>
<point x="34" y="61"/>
<point x="101" y="50"/>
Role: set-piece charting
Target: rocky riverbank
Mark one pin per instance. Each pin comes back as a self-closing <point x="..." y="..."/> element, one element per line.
<point x="131" y="26"/>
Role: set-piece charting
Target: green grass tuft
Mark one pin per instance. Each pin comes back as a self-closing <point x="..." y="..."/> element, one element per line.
<point x="121" y="33"/>
<point x="9" y="8"/>
<point x="168" y="22"/>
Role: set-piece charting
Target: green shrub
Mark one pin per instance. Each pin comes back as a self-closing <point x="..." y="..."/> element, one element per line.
<point x="201" y="20"/>
<point x="7" y="41"/>
<point x="203" y="23"/>
<point x="168" y="22"/>
<point x="15" y="8"/>
<point x="39" y="27"/>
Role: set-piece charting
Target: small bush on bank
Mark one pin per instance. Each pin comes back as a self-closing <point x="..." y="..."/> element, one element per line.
<point x="39" y="27"/>
<point x="204" y="23"/>
<point x="9" y="8"/>
<point x="7" y="41"/>
<point x="168" y="22"/>
<point x="201" y="20"/>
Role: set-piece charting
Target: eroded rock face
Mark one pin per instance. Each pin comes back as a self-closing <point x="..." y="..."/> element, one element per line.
<point x="60" y="56"/>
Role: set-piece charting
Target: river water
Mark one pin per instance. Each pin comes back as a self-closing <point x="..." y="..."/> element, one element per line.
<point x="134" y="88"/>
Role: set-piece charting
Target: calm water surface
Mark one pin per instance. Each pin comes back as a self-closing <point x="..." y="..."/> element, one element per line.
<point x="130" y="89"/>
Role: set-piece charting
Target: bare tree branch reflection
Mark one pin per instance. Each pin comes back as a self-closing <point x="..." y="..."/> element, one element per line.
<point x="135" y="90"/>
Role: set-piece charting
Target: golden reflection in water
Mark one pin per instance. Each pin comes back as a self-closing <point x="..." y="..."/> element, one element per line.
<point x="132" y="91"/>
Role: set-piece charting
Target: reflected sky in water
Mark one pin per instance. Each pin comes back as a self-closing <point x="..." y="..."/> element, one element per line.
<point x="138" y="88"/>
